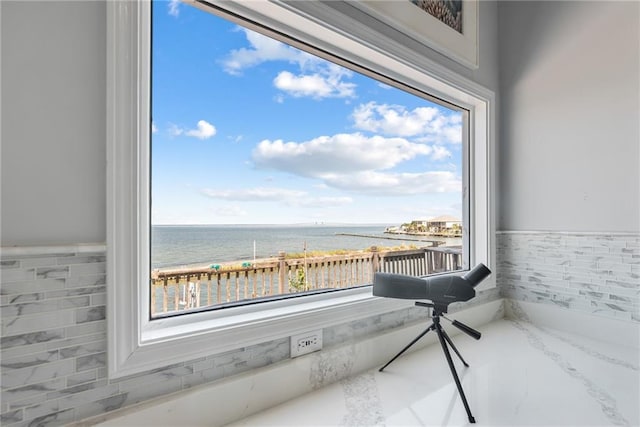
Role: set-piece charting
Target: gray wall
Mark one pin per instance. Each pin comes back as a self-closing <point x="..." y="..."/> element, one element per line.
<point x="53" y="118"/>
<point x="569" y="143"/>
<point x="569" y="179"/>
<point x="53" y="122"/>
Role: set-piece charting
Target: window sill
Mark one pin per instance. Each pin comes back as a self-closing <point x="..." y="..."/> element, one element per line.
<point x="176" y="339"/>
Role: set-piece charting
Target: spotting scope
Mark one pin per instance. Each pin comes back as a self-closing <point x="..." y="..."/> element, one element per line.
<point x="442" y="289"/>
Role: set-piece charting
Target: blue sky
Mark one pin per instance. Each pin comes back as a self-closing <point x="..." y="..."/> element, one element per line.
<point x="247" y="130"/>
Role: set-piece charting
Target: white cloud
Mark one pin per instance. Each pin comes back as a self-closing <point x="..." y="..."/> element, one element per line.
<point x="315" y="85"/>
<point x="281" y="195"/>
<point x="390" y="184"/>
<point x="358" y="163"/>
<point x="154" y="128"/>
<point x="233" y="211"/>
<point x="317" y="78"/>
<point x="341" y="153"/>
<point x="429" y="123"/>
<point x="255" y="194"/>
<point x="262" y="49"/>
<point x="174" y="7"/>
<point x="175" y="130"/>
<point x="392" y="119"/>
<point x="321" y="202"/>
<point x="440" y="152"/>
<point x="205" y="130"/>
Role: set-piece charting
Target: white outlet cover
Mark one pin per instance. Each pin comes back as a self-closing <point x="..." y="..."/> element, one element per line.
<point x="316" y="343"/>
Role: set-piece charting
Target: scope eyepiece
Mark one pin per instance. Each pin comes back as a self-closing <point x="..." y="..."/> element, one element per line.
<point x="477" y="274"/>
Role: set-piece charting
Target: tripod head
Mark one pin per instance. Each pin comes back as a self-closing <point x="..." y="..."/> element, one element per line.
<point x="442" y="289"/>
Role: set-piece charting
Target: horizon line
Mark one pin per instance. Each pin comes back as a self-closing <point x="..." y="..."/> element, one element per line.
<point x="274" y="224"/>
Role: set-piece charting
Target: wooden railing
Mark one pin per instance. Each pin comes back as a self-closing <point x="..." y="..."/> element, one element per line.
<point x="186" y="288"/>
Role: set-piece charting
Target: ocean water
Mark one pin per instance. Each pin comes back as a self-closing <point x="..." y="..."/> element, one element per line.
<point x="190" y="245"/>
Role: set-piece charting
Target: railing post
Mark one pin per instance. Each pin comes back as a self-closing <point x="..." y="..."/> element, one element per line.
<point x="218" y="286"/>
<point x="165" y="297"/>
<point x="282" y="272"/>
<point x="375" y="260"/>
<point x="176" y="295"/>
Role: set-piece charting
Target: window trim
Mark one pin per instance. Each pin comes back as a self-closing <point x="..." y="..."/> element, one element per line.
<point x="135" y="343"/>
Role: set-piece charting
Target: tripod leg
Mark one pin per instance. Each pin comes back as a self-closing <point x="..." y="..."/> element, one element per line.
<point x="446" y="337"/>
<point x="443" y="343"/>
<point x="407" y="347"/>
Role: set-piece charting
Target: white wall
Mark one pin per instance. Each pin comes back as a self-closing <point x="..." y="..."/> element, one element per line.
<point x="53" y="122"/>
<point x="570" y="116"/>
<point x="53" y="117"/>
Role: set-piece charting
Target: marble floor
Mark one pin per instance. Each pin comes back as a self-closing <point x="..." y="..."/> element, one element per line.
<point x="519" y="374"/>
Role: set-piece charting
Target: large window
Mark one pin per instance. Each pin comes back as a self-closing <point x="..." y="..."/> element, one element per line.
<point x="278" y="172"/>
<point x="323" y="148"/>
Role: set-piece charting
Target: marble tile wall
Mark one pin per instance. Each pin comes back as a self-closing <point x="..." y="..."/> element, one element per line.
<point x="53" y="343"/>
<point x="595" y="273"/>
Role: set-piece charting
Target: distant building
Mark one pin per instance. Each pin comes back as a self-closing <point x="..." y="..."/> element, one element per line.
<point x="445" y="225"/>
<point x="416" y="226"/>
<point x="393" y="230"/>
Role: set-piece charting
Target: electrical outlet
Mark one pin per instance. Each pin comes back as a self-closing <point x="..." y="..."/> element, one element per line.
<point x="307" y="342"/>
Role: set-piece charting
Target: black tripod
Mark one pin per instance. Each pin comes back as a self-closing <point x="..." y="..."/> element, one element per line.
<point x="438" y="311"/>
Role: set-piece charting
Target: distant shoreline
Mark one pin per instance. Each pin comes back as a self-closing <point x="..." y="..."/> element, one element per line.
<point x="393" y="238"/>
<point x="288" y="225"/>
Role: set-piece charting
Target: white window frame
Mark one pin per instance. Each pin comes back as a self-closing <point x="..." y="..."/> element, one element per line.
<point x="137" y="344"/>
